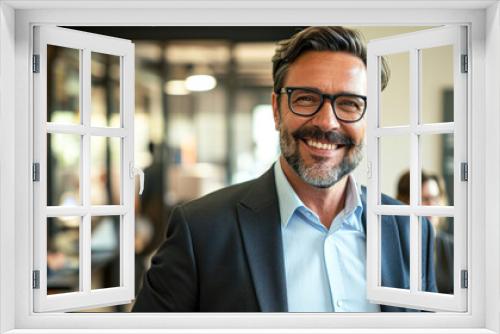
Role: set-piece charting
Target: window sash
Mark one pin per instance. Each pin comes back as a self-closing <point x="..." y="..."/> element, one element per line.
<point x="449" y="35"/>
<point x="86" y="43"/>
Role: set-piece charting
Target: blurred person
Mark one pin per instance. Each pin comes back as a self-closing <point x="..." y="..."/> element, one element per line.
<point x="294" y="239"/>
<point x="150" y="227"/>
<point x="152" y="203"/>
<point x="433" y="194"/>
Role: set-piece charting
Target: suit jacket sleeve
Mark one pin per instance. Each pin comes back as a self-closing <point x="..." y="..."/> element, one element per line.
<point x="170" y="285"/>
<point x="429" y="283"/>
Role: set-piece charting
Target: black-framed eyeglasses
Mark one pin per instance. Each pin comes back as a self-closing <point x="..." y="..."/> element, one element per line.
<point x="305" y="101"/>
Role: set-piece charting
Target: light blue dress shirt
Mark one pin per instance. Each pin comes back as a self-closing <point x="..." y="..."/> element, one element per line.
<point x="325" y="268"/>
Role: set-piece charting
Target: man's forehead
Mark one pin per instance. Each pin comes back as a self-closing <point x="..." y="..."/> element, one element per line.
<point x="315" y="68"/>
<point x="327" y="56"/>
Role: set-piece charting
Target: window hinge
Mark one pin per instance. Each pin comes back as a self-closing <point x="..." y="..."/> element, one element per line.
<point x="36" y="172"/>
<point x="36" y="279"/>
<point x="465" y="279"/>
<point x="36" y="63"/>
<point x="464" y="168"/>
<point x="465" y="64"/>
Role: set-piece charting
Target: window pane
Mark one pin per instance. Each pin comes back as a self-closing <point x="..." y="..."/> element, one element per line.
<point x="436" y="96"/>
<point x="63" y="243"/>
<point x="443" y="252"/>
<point x="105" y="170"/>
<point x="105" y="247"/>
<point x="105" y="90"/>
<point x="394" y="166"/>
<point x="395" y="98"/>
<point x="437" y="169"/>
<point x="392" y="247"/>
<point x="63" y="169"/>
<point x="63" y="85"/>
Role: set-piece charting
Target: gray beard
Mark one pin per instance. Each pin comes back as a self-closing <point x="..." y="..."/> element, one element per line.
<point x="319" y="174"/>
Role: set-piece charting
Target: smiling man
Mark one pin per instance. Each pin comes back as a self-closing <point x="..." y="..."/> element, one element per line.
<point x="295" y="238"/>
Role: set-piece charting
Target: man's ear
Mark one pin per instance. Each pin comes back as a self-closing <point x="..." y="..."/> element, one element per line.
<point x="276" y="111"/>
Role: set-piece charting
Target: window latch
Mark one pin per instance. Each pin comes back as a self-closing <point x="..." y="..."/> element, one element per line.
<point x="134" y="172"/>
<point x="369" y="170"/>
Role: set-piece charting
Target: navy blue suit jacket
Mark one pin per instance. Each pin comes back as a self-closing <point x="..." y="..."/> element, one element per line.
<point x="223" y="253"/>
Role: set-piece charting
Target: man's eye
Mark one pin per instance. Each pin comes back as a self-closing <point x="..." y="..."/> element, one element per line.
<point x="306" y="99"/>
<point x="349" y="104"/>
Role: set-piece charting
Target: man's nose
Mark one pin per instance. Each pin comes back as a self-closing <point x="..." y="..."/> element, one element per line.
<point x="325" y="118"/>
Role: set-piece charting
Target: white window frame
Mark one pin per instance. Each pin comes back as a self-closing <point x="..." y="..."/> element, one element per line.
<point x="16" y="21"/>
<point x="85" y="43"/>
<point x="412" y="43"/>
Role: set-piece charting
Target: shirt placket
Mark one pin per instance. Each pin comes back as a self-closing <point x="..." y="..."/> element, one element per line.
<point x="333" y="268"/>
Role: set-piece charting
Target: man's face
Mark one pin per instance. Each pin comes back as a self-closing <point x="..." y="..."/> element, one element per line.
<point x="431" y="193"/>
<point x="320" y="148"/>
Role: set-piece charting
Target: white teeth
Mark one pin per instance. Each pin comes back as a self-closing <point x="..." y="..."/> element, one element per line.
<point x="321" y="146"/>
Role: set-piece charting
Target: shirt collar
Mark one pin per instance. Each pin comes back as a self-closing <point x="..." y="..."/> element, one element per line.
<point x="287" y="198"/>
<point x="353" y="204"/>
<point x="289" y="201"/>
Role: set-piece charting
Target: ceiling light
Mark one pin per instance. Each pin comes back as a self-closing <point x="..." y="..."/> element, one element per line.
<point x="176" y="87"/>
<point x="200" y="83"/>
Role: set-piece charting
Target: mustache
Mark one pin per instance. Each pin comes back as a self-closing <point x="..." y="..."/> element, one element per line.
<point x="332" y="137"/>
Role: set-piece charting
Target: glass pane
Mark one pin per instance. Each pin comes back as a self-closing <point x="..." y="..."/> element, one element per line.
<point x="394" y="165"/>
<point x="437" y="169"/>
<point x="105" y="90"/>
<point x="63" y="244"/>
<point x="443" y="251"/>
<point x="105" y="171"/>
<point x="393" y="249"/>
<point x="105" y="248"/>
<point x="395" y="98"/>
<point x="63" y="169"/>
<point x="63" y="85"/>
<point x="436" y="96"/>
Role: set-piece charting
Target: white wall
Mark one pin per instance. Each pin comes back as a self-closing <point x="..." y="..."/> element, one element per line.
<point x="7" y="169"/>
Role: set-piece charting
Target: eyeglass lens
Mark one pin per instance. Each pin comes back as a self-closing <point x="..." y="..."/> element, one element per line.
<point x="346" y="107"/>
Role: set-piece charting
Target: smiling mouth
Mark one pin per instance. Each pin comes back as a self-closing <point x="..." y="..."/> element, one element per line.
<point x="322" y="146"/>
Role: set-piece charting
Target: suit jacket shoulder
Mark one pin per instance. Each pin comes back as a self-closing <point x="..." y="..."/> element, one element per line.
<point x="209" y="261"/>
<point x="217" y="207"/>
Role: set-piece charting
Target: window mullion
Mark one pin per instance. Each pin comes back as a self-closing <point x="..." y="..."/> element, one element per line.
<point x="85" y="244"/>
<point x="414" y="171"/>
<point x="127" y="251"/>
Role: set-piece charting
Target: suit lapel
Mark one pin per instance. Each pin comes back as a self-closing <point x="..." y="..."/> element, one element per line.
<point x="391" y="272"/>
<point x="385" y="252"/>
<point x="259" y="219"/>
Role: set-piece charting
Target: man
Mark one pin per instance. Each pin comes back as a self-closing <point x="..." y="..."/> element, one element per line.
<point x="434" y="194"/>
<point x="293" y="239"/>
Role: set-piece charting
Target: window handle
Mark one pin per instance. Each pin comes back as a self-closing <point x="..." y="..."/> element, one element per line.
<point x="134" y="171"/>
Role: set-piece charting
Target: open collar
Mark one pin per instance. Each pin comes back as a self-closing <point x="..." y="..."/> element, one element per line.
<point x="289" y="201"/>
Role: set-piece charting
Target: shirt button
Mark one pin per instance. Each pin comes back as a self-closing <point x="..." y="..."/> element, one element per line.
<point x="339" y="303"/>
